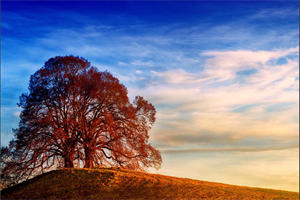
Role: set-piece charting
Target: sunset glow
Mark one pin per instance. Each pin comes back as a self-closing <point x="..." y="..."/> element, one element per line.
<point x="223" y="77"/>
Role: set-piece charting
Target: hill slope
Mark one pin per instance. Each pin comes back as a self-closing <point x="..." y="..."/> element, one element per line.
<point x="126" y="184"/>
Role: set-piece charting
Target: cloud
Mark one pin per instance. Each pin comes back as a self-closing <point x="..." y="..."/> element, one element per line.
<point x="138" y="72"/>
<point x="178" y="76"/>
<point x="188" y="72"/>
<point x="241" y="149"/>
<point x="186" y="136"/>
<point x="225" y="84"/>
<point x="224" y="65"/>
<point x="275" y="13"/>
<point x="191" y="105"/>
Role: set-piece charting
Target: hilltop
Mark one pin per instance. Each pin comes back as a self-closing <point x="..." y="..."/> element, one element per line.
<point x="127" y="184"/>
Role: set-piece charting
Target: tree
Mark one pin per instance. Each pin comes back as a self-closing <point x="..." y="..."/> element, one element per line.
<point x="75" y="115"/>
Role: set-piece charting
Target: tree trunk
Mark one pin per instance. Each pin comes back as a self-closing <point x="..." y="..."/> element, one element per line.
<point x="88" y="158"/>
<point x="69" y="158"/>
<point x="68" y="163"/>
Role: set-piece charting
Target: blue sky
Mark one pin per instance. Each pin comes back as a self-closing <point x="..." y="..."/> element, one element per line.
<point x="223" y="76"/>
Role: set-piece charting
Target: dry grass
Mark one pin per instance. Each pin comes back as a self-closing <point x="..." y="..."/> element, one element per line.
<point x="126" y="184"/>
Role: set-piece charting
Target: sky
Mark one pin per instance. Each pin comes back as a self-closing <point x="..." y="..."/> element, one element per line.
<point x="222" y="75"/>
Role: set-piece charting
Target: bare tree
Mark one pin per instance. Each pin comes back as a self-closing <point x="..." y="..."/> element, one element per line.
<point x="75" y="115"/>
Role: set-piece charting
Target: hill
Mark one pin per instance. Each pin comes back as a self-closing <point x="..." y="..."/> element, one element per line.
<point x="127" y="184"/>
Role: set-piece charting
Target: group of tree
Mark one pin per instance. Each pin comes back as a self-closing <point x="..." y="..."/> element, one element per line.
<point x="76" y="116"/>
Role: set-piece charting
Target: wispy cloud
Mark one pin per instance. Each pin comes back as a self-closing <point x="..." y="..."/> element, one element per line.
<point x="224" y="78"/>
<point x="200" y="107"/>
<point x="225" y="64"/>
<point x="242" y="149"/>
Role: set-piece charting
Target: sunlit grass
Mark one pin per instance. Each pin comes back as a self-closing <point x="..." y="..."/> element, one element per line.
<point x="127" y="184"/>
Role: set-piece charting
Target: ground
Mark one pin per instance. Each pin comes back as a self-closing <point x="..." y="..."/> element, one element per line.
<point x="127" y="184"/>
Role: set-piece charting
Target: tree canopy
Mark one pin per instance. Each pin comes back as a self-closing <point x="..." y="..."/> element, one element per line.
<point x="76" y="116"/>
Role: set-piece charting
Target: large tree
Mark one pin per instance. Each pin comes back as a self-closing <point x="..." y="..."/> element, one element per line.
<point x="75" y="115"/>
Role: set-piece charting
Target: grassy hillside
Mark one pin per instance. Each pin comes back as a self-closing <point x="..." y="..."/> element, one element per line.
<point x="126" y="184"/>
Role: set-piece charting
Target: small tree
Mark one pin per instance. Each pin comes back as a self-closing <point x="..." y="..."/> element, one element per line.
<point x="75" y="115"/>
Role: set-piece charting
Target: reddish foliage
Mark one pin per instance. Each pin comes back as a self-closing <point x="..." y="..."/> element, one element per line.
<point x="75" y="115"/>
